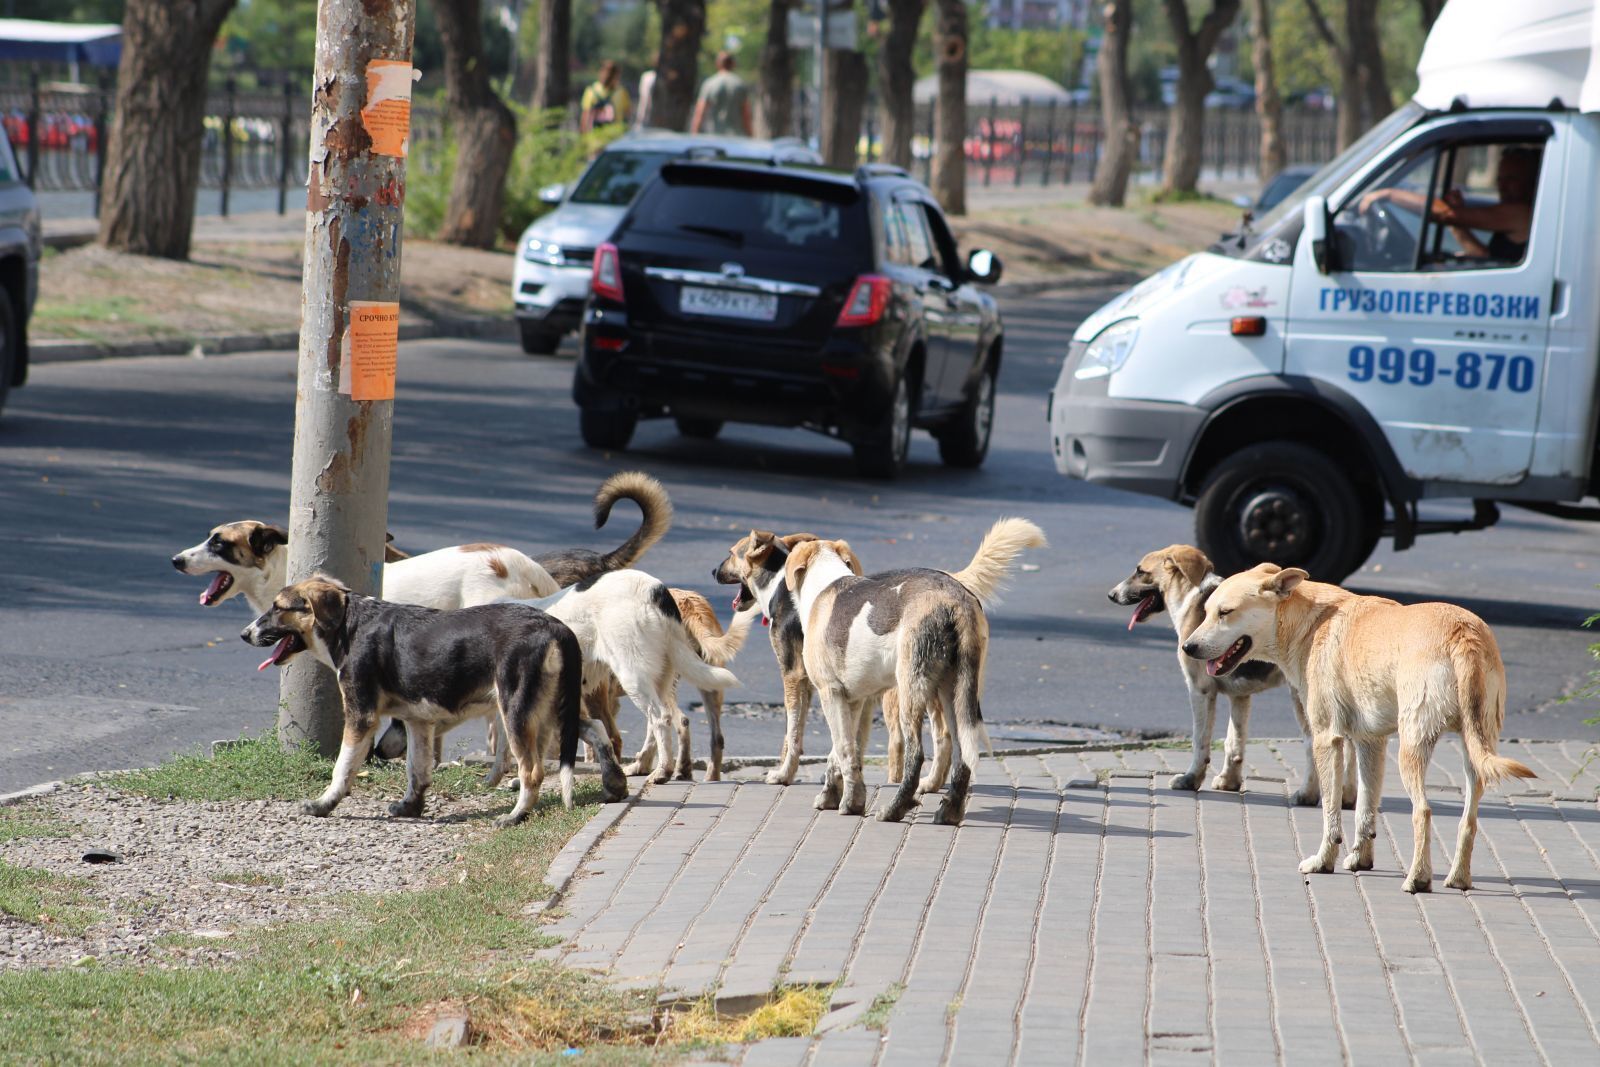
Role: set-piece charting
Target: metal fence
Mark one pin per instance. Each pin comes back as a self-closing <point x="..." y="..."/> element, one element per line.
<point x="253" y="139"/>
<point x="1050" y="143"/>
<point x="257" y="139"/>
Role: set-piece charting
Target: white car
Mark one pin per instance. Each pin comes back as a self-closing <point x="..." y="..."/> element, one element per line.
<point x="555" y="255"/>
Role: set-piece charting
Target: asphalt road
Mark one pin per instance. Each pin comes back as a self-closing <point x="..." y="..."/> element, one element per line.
<point x="106" y="469"/>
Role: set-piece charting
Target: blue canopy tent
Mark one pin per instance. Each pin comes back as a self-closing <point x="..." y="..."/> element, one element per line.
<point x="74" y="43"/>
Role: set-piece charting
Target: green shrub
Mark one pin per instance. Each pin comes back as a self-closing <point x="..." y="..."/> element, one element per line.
<point x="546" y="153"/>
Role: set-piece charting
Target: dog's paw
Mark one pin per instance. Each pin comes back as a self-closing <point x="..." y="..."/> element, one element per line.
<point x="1228" y="783"/>
<point x="661" y="777"/>
<point x="929" y="784"/>
<point x="509" y="819"/>
<point x="316" y="808"/>
<point x="1354" y="861"/>
<point x="1316" y="865"/>
<point x="491" y="780"/>
<point x="854" y="803"/>
<point x="402" y="809"/>
<point x="687" y="775"/>
<point x="1306" y="797"/>
<point x="1419" y="884"/>
<point x="1188" y="782"/>
<point x="1458" y="880"/>
<point x="780" y="776"/>
<point x="947" y="814"/>
<point x="634" y="769"/>
<point x="888" y="813"/>
<point x="825" y="801"/>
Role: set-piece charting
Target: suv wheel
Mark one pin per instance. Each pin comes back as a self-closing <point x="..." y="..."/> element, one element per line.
<point x="606" y="429"/>
<point x="8" y="345"/>
<point x="965" y="441"/>
<point x="1285" y="503"/>
<point x="885" y="456"/>
<point x="538" y="341"/>
<point x="704" y="429"/>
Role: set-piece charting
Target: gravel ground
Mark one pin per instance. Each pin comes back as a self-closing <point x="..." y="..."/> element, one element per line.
<point x="174" y="852"/>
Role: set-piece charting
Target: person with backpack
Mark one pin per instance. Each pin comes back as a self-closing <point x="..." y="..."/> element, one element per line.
<point x="606" y="101"/>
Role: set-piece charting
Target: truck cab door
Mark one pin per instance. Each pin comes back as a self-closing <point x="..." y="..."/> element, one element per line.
<point x="1434" y="308"/>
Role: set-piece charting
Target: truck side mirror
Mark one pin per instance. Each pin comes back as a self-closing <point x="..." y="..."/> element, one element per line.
<point x="1316" y="231"/>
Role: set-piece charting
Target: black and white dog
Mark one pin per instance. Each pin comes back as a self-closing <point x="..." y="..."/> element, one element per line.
<point x="435" y="669"/>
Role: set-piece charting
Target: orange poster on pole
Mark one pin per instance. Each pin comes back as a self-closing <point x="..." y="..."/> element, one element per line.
<point x="387" y="115"/>
<point x="374" y="348"/>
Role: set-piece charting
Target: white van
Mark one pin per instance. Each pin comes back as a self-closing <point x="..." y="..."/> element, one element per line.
<point x="1420" y="321"/>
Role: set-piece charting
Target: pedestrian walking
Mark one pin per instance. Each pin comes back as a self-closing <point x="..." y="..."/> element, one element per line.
<point x="606" y="101"/>
<point x="724" y="103"/>
<point x="647" y="90"/>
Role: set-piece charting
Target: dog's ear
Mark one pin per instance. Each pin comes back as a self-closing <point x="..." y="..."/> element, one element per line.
<point x="794" y="571"/>
<point x="1284" y="582"/>
<point x="329" y="600"/>
<point x="790" y="540"/>
<point x="849" y="556"/>
<point x="263" y="539"/>
<point x="760" y="546"/>
<point x="1188" y="564"/>
<point x="392" y="554"/>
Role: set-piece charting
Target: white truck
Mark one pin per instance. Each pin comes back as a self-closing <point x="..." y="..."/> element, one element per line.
<point x="1419" y="322"/>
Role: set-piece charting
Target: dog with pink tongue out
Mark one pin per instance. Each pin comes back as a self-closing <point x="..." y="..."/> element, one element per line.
<point x="1179" y="579"/>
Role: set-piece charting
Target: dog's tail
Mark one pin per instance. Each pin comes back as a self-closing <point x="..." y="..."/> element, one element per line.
<point x="1481" y="692"/>
<point x="991" y="564"/>
<point x="656" y="515"/>
<point x="720" y="649"/>
<point x="569" y="705"/>
<point x="694" y="670"/>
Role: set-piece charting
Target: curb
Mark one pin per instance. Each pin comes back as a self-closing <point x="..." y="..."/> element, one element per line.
<point x="68" y="351"/>
<point x="43" y="789"/>
<point x="565" y="865"/>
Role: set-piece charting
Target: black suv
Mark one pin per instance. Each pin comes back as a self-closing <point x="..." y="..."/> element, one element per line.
<point x="789" y="296"/>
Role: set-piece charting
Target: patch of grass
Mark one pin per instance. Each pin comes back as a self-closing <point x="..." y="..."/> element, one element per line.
<point x="259" y="768"/>
<point x="792" y="1012"/>
<point x="46" y="900"/>
<point x="248" y="879"/>
<point x="19" y="822"/>
<point x="360" y="986"/>
<point x="877" y="1016"/>
<point x="79" y="317"/>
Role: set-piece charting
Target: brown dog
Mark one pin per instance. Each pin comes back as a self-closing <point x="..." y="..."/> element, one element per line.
<point x="1366" y="667"/>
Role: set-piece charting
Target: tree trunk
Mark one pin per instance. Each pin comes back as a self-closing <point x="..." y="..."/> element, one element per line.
<point x="553" y="85"/>
<point x="950" y="130"/>
<point x="1349" y="124"/>
<point x="683" y="24"/>
<point x="1430" y="12"/>
<point x="1119" y="150"/>
<point x="896" y="76"/>
<point x="1366" y="49"/>
<point x="1186" y="124"/>
<point x="775" y="116"/>
<point x="485" y="131"/>
<point x="152" y="168"/>
<point x="1269" y="105"/>
<point x="841" y="119"/>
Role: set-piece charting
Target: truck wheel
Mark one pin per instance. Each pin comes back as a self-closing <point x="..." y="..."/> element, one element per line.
<point x="1286" y="503"/>
<point x="885" y="455"/>
<point x="965" y="441"/>
<point x="606" y="429"/>
<point x="703" y="429"/>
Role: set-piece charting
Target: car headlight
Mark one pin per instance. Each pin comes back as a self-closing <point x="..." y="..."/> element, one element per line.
<point x="1108" y="351"/>
<point x="541" y="251"/>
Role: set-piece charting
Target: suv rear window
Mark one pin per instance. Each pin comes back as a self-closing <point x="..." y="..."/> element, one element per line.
<point x="755" y="210"/>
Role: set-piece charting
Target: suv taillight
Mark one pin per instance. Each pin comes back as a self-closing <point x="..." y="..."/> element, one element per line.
<point x="865" y="305"/>
<point x="607" y="278"/>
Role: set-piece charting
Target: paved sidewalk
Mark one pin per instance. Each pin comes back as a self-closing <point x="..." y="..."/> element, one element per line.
<point x="1086" y="913"/>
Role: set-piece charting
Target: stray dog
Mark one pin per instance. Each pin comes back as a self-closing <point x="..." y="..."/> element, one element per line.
<point x="1179" y="579"/>
<point x="755" y="564"/>
<point x="716" y="648"/>
<point x="245" y="558"/>
<point x="631" y="632"/>
<point x="435" y="669"/>
<point x="1367" y="667"/>
<point x="921" y="632"/>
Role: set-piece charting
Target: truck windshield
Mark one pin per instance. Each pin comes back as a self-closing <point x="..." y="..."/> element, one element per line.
<point x="1282" y="220"/>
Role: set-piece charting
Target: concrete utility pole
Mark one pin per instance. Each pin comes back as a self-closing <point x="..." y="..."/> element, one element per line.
<point x="338" y="503"/>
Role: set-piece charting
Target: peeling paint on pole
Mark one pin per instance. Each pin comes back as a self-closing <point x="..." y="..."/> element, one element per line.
<point x="338" y="506"/>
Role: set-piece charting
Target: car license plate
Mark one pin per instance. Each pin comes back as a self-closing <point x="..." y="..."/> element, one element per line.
<point x="728" y="303"/>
